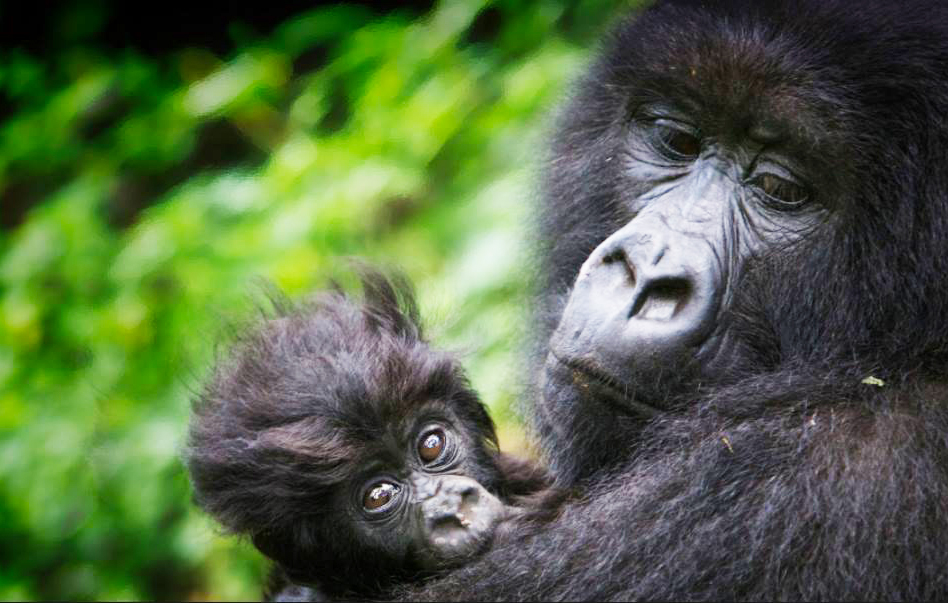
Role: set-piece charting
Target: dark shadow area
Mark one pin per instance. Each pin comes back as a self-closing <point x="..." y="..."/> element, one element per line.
<point x="46" y="28"/>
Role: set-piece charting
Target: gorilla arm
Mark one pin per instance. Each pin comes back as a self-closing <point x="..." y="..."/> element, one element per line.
<point x="840" y="494"/>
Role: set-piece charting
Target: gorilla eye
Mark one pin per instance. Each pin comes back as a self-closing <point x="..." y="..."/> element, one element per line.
<point x="781" y="193"/>
<point x="431" y="446"/>
<point x="673" y="142"/>
<point x="379" y="496"/>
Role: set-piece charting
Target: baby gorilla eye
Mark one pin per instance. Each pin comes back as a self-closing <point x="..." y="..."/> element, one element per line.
<point x="379" y="496"/>
<point x="431" y="446"/>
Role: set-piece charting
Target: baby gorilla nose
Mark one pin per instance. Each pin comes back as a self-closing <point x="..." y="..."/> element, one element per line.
<point x="452" y="510"/>
<point x="455" y="506"/>
<point x="458" y="521"/>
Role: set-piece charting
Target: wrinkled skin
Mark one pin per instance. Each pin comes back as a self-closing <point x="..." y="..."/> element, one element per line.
<point x="652" y="294"/>
<point x="743" y="316"/>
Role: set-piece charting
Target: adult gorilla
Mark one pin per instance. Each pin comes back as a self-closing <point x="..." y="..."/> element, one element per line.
<point x="745" y="223"/>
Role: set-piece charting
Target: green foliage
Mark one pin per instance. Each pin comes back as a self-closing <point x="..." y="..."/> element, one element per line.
<point x="142" y="198"/>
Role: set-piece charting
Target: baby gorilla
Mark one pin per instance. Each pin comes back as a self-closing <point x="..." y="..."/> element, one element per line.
<point x="346" y="447"/>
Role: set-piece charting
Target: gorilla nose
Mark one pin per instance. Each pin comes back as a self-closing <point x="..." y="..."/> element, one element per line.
<point x="662" y="285"/>
<point x="458" y="520"/>
<point x="642" y="297"/>
<point x="456" y="497"/>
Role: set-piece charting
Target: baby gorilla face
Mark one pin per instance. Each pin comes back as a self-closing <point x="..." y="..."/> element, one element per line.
<point x="430" y="502"/>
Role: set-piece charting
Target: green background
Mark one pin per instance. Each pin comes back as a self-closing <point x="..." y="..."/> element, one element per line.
<point x="144" y="199"/>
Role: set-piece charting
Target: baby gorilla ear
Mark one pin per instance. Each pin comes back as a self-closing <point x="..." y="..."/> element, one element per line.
<point x="390" y="302"/>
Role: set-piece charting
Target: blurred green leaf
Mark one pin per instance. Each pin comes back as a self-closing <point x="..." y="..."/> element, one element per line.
<point x="141" y="199"/>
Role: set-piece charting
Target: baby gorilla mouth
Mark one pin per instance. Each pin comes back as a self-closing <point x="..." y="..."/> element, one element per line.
<point x="453" y="540"/>
<point x="447" y="524"/>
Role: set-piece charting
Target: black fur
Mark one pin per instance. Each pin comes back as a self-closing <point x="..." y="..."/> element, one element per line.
<point x="784" y="473"/>
<point x="298" y="408"/>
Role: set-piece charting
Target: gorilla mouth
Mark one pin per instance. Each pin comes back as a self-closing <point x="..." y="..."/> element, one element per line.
<point x="595" y="382"/>
<point x="455" y="545"/>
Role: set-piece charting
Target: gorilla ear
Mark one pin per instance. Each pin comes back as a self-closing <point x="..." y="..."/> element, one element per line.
<point x="390" y="302"/>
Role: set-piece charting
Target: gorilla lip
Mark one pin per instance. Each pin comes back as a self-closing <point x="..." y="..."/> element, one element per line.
<point x="600" y="382"/>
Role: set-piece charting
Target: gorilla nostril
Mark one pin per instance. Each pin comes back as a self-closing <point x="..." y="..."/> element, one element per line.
<point x="470" y="495"/>
<point x="662" y="299"/>
<point x="672" y="288"/>
<point x="470" y="500"/>
<point x="450" y="523"/>
<point x="612" y="257"/>
<point x="619" y="257"/>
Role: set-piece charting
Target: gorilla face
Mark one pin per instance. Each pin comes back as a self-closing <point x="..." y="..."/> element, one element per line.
<point x="711" y="215"/>
<point x="703" y="198"/>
